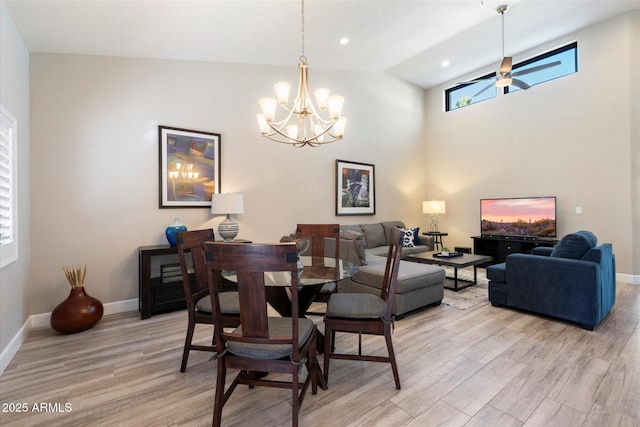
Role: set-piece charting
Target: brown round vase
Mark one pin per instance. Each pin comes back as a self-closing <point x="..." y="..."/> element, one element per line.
<point x="77" y="313"/>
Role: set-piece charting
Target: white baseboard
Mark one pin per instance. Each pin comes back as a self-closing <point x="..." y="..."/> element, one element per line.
<point x="43" y="320"/>
<point x="628" y="278"/>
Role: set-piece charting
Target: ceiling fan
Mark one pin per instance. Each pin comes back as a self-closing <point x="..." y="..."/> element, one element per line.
<point x="504" y="76"/>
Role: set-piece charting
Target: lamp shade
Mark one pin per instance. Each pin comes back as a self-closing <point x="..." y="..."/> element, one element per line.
<point x="227" y="203"/>
<point x="434" y="207"/>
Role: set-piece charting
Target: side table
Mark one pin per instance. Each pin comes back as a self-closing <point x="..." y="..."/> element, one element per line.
<point x="437" y="238"/>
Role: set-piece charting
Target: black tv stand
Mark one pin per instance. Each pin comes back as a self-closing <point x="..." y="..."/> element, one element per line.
<point x="498" y="247"/>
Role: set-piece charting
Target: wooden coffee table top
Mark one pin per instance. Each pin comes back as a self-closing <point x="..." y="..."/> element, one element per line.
<point x="457" y="261"/>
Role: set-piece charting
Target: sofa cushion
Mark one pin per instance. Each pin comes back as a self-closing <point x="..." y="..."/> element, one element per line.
<point x="575" y="245"/>
<point x="411" y="275"/>
<point x="389" y="226"/>
<point x="354" y="228"/>
<point x="374" y="235"/>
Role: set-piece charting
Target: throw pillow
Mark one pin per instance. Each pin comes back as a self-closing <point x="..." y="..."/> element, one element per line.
<point x="575" y="245"/>
<point x="408" y="237"/>
<point x="416" y="235"/>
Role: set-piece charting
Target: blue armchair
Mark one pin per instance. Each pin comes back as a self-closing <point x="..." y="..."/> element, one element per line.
<point x="574" y="281"/>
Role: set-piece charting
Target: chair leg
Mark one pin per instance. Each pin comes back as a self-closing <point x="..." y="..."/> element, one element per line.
<point x="329" y="337"/>
<point x="295" y="398"/>
<point x="313" y="365"/>
<point x="187" y="343"/>
<point x="219" y="398"/>
<point x="392" y="356"/>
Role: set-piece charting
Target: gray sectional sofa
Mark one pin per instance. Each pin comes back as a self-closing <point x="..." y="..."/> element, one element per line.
<point x="419" y="285"/>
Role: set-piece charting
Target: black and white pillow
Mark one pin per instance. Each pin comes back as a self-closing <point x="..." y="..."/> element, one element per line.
<point x="409" y="236"/>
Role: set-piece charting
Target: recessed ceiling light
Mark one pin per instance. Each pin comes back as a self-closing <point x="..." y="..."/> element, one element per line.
<point x="343" y="41"/>
<point x="446" y="63"/>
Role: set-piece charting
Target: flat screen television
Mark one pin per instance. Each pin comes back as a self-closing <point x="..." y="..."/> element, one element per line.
<point x="521" y="216"/>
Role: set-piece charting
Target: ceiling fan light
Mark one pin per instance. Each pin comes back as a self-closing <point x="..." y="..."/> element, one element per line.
<point x="503" y="82"/>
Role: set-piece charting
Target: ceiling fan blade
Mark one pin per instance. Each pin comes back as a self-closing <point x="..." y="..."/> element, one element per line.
<point x="520" y="84"/>
<point x="505" y="67"/>
<point x="536" y="68"/>
<point x="483" y="90"/>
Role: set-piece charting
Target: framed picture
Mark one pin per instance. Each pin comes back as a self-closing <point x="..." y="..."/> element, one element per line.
<point x="189" y="167"/>
<point x="355" y="188"/>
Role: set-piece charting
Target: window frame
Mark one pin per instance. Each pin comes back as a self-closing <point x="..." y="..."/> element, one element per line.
<point x="447" y="101"/>
<point x="542" y="57"/>
<point x="9" y="184"/>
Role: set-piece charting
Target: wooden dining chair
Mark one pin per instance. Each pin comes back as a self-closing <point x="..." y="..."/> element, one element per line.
<point x="364" y="313"/>
<point x="196" y="290"/>
<point x="261" y="343"/>
<point x="320" y="246"/>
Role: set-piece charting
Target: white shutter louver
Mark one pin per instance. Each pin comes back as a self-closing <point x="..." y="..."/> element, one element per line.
<point x="8" y="187"/>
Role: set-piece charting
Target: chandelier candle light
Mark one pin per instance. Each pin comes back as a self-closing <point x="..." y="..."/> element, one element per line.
<point x="226" y="204"/>
<point x="433" y="208"/>
<point x="302" y="125"/>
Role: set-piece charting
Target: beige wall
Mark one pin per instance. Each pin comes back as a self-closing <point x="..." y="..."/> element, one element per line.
<point x="94" y="160"/>
<point x="14" y="95"/>
<point x="572" y="137"/>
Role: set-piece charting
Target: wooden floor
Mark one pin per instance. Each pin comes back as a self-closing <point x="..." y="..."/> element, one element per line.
<point x="484" y="366"/>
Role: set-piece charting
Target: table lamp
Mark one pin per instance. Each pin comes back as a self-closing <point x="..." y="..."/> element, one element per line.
<point x="227" y="204"/>
<point x="433" y="208"/>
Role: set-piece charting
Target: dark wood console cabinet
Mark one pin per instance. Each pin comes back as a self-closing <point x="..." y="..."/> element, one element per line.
<point x="155" y="296"/>
<point x="500" y="247"/>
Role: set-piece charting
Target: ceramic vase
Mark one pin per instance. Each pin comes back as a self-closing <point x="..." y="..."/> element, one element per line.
<point x="171" y="231"/>
<point x="77" y="313"/>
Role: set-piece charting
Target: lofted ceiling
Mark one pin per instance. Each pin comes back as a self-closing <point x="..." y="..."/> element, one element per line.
<point x="409" y="39"/>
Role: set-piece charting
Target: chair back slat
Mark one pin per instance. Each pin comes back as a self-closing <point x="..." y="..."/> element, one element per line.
<point x="252" y="296"/>
<point x="317" y="233"/>
<point x="193" y="242"/>
<point x="390" y="280"/>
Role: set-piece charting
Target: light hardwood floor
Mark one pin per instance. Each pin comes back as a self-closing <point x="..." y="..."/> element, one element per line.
<point x="484" y="366"/>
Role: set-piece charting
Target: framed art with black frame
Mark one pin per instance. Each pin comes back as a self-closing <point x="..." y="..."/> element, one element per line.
<point x="189" y="167"/>
<point x="355" y="188"/>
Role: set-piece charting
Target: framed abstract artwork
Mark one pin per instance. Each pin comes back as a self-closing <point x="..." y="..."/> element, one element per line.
<point x="355" y="188"/>
<point x="189" y="167"/>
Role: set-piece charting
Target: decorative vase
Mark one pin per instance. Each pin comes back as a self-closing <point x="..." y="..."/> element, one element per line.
<point x="171" y="231"/>
<point x="77" y="313"/>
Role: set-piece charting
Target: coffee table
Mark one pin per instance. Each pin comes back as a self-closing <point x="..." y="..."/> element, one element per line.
<point x="460" y="261"/>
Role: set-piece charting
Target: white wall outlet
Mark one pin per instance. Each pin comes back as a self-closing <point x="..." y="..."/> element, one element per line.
<point x="578" y="210"/>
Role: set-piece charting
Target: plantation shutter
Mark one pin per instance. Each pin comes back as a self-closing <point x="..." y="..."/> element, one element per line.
<point x="8" y="202"/>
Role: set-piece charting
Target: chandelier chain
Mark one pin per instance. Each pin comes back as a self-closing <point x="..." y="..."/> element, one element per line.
<point x="302" y="57"/>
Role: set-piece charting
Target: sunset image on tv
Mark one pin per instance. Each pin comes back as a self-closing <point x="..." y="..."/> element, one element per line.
<point x="519" y="217"/>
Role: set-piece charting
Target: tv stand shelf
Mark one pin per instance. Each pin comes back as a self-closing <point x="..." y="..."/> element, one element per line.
<point x="498" y="247"/>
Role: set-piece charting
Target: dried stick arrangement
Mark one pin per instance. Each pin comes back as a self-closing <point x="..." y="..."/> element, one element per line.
<point x="75" y="276"/>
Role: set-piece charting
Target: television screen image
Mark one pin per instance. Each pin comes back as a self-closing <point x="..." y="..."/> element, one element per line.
<point x="531" y="216"/>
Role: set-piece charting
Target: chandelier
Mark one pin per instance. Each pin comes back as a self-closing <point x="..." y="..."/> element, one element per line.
<point x="302" y="124"/>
